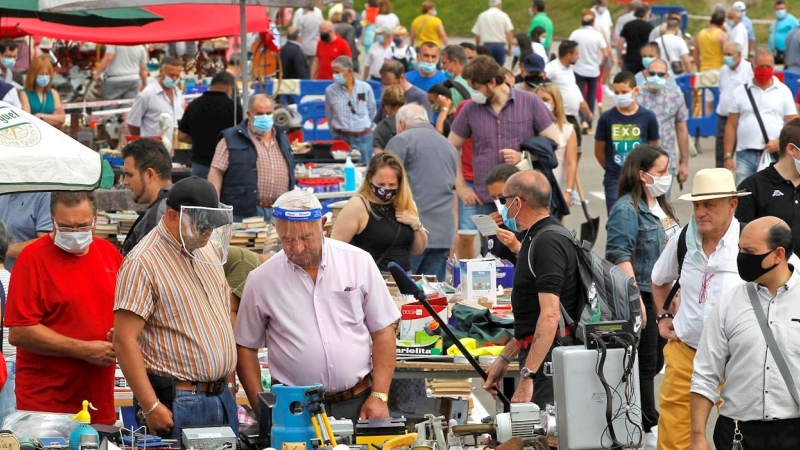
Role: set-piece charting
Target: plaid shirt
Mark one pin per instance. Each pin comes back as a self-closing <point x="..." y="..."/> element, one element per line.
<point x="523" y="116"/>
<point x="350" y="112"/>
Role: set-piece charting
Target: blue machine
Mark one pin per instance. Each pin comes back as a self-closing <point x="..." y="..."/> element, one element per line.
<point x="290" y="422"/>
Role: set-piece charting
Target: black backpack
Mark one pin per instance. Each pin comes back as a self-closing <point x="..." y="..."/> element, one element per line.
<point x="465" y="95"/>
<point x="607" y="293"/>
<point x="404" y="61"/>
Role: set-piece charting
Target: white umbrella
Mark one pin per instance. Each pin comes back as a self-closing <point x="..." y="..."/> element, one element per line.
<point x="74" y="5"/>
<point x="34" y="156"/>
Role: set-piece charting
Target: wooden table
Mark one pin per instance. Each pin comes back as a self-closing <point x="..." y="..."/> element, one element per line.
<point x="420" y="369"/>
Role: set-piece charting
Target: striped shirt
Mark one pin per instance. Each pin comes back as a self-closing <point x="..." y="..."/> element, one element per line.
<point x="523" y="116"/>
<point x="350" y="112"/>
<point x="271" y="167"/>
<point x="733" y="350"/>
<point x="186" y="307"/>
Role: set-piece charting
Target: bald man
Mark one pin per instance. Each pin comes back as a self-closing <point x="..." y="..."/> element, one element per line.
<point x="253" y="143"/>
<point x="329" y="47"/>
<point x="539" y="287"/>
<point x="733" y="348"/>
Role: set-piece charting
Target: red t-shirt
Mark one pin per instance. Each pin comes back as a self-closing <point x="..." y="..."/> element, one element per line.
<point x="73" y="296"/>
<point x="466" y="152"/>
<point x="327" y="52"/>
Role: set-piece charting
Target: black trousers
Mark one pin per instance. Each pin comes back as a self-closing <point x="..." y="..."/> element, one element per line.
<point x="651" y="361"/>
<point x="577" y="124"/>
<point x="720" y="145"/>
<point x="759" y="435"/>
<point x="543" y="393"/>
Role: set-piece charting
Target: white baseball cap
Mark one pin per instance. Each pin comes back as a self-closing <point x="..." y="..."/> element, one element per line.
<point x="739" y="6"/>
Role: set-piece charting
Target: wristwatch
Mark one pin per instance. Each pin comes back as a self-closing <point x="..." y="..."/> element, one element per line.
<point x="233" y="386"/>
<point x="380" y="396"/>
<point x="526" y="373"/>
<point x="728" y="156"/>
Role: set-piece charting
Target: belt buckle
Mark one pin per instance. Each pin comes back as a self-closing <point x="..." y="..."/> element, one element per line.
<point x="215" y="388"/>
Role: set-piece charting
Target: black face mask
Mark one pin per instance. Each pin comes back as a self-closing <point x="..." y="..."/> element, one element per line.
<point x="325" y="37"/>
<point x="587" y="23"/>
<point x="750" y="265"/>
<point x="384" y="194"/>
<point x="534" y="80"/>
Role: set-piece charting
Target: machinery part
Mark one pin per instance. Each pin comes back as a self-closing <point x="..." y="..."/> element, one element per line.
<point x="208" y="437"/>
<point x="525" y="420"/>
<point x="473" y="429"/>
<point x="538" y="443"/>
<point x="400" y="441"/>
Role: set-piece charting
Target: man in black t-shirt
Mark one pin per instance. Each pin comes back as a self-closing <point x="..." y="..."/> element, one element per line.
<point x="536" y="296"/>
<point x="634" y="35"/>
<point x="204" y="120"/>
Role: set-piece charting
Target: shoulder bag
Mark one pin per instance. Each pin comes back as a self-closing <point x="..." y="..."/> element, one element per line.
<point x="677" y="66"/>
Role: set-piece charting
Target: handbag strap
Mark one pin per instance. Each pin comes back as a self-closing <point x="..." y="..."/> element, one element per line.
<point x="758" y="115"/>
<point x="771" y="344"/>
<point x="666" y="52"/>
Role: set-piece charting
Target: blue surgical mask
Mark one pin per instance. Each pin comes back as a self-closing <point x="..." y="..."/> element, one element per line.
<point x="381" y="39"/>
<point x="9" y="63"/>
<point x="646" y="60"/>
<point x="262" y="123"/>
<point x="656" y="83"/>
<point x="339" y="79"/>
<point x="42" y="80"/>
<point x="780" y="14"/>
<point x="730" y="23"/>
<point x="515" y="52"/>
<point x="623" y="100"/>
<point x="427" y="67"/>
<point x="510" y="223"/>
<point x="729" y="61"/>
<point x="169" y="83"/>
<point x="397" y="41"/>
<point x="449" y="75"/>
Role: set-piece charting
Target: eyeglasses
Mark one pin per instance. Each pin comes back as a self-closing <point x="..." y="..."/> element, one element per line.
<point x="704" y="287"/>
<point x="350" y="104"/>
<point x="504" y="199"/>
<point x="658" y="74"/>
<point x="74" y="230"/>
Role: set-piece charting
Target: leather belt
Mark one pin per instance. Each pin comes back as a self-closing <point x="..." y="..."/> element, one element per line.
<point x="211" y="388"/>
<point x="338" y="397"/>
<point x="363" y="132"/>
<point x="265" y="203"/>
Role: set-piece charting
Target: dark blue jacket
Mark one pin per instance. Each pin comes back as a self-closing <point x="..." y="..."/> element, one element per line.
<point x="544" y="150"/>
<point x="240" y="182"/>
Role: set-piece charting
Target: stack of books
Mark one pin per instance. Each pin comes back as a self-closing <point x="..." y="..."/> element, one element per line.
<point x="254" y="234"/>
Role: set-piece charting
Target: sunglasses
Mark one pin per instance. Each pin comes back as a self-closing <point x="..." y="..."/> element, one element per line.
<point x="352" y="109"/>
<point x="506" y="199"/>
<point x="658" y="74"/>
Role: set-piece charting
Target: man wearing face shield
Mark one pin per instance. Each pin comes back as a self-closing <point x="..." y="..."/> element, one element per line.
<point x="253" y="163"/>
<point x="172" y="316"/>
<point x="59" y="313"/>
<point x="332" y="300"/>
<point x="156" y="99"/>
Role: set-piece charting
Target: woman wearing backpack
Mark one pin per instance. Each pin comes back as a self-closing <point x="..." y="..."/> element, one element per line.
<point x="639" y="226"/>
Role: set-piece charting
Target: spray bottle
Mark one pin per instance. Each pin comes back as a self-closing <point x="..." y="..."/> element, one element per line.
<point x="349" y="175"/>
<point x="85" y="419"/>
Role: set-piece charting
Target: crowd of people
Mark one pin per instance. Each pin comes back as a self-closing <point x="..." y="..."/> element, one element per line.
<point x="492" y="128"/>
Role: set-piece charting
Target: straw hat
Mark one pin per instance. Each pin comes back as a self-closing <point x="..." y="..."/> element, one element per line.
<point x="713" y="183"/>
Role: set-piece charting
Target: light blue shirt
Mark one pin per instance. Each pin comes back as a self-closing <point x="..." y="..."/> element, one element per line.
<point x="350" y="112"/>
<point x="748" y="24"/>
<point x="778" y="32"/>
<point x="25" y="215"/>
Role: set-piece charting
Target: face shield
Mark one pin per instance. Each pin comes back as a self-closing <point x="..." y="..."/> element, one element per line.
<point x="205" y="233"/>
<point x="300" y="233"/>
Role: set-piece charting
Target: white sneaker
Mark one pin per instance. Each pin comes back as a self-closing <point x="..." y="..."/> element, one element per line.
<point x="607" y="91"/>
<point x="651" y="439"/>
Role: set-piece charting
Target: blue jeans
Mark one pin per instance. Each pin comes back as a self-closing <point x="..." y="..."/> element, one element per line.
<point x="8" y="401"/>
<point x="362" y="143"/>
<point x="199" y="409"/>
<point x="465" y="225"/>
<point x="266" y="213"/>
<point x="200" y="170"/>
<point x="747" y="164"/>
<point x="588" y="87"/>
<point x="497" y="50"/>
<point x="611" y="184"/>
<point x="433" y="261"/>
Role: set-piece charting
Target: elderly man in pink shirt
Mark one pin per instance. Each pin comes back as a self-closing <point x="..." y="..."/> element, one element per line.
<point x="321" y="301"/>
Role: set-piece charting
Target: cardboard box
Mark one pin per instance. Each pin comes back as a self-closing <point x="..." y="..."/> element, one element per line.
<point x="478" y="279"/>
<point x="504" y="273"/>
<point x="414" y="317"/>
<point x="407" y="348"/>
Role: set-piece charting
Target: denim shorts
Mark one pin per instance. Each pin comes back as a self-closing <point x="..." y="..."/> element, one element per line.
<point x="466" y="227"/>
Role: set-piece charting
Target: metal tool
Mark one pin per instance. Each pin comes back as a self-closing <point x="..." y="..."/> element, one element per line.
<point x="592" y="224"/>
<point x="319" y="418"/>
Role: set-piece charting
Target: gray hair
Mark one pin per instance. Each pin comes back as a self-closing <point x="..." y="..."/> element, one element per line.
<point x="735" y="46"/>
<point x="343" y="62"/>
<point x="532" y="187"/>
<point x="494" y="3"/>
<point x="258" y="98"/>
<point x="736" y="13"/>
<point x="297" y="200"/>
<point x="455" y="53"/>
<point x="5" y="240"/>
<point x="412" y="114"/>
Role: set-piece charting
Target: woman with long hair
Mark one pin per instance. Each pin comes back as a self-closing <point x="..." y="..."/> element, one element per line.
<point x="392" y="99"/>
<point x="567" y="152"/>
<point x="39" y="96"/>
<point x="639" y="225"/>
<point x="521" y="47"/>
<point x="382" y="217"/>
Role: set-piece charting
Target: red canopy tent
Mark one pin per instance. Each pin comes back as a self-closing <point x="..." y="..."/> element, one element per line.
<point x="181" y="23"/>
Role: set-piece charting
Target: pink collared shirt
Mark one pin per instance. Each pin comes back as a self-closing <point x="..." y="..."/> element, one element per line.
<point x="319" y="333"/>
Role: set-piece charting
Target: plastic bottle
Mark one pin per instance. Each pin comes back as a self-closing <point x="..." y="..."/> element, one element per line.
<point x="84" y="428"/>
<point x="349" y="175"/>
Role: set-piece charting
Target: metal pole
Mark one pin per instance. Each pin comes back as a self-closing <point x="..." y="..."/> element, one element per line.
<point x="245" y="71"/>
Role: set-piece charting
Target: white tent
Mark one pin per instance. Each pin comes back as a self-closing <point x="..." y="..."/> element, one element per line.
<point x="34" y="156"/>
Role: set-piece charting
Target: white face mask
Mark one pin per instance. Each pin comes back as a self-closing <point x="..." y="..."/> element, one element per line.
<point x="660" y="185"/>
<point x="74" y="242"/>
<point x="478" y="97"/>
<point x="623" y="100"/>
<point x="796" y="162"/>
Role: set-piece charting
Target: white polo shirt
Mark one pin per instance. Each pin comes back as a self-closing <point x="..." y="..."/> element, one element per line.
<point x="738" y="34"/>
<point x="564" y="78"/>
<point x="492" y="26"/>
<point x="704" y="280"/>
<point x="729" y="80"/>
<point x="148" y="107"/>
<point x="774" y="104"/>
<point x="590" y="51"/>
<point x="673" y="47"/>
<point x="604" y="21"/>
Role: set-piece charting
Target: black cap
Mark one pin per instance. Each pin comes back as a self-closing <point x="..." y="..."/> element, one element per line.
<point x="192" y="191"/>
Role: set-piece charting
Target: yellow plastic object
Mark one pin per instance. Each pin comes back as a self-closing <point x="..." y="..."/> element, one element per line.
<point x="83" y="416"/>
<point x="469" y="344"/>
<point x="400" y="441"/>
